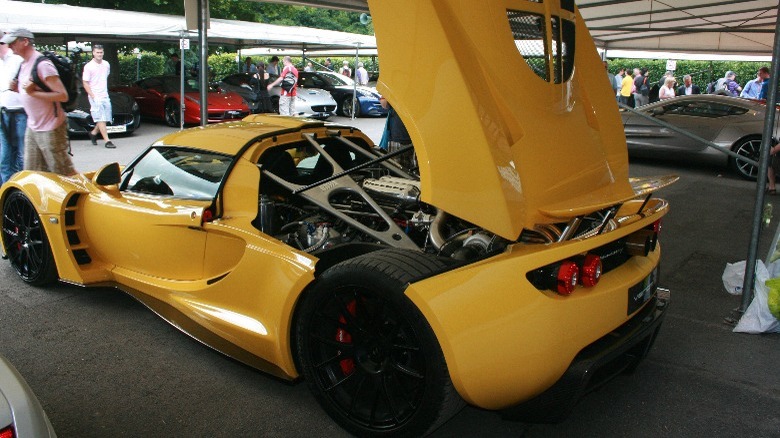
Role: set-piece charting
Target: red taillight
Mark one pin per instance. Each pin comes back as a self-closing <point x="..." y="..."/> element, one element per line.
<point x="657" y="226"/>
<point x="567" y="277"/>
<point x="590" y="271"/>
<point x="8" y="432"/>
<point x="207" y="216"/>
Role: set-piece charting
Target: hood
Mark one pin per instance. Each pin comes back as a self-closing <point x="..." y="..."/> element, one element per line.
<point x="316" y="94"/>
<point x="362" y="90"/>
<point x="511" y="127"/>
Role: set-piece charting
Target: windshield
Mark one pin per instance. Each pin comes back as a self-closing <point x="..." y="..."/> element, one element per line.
<point x="172" y="84"/>
<point x="183" y="173"/>
<point x="336" y="79"/>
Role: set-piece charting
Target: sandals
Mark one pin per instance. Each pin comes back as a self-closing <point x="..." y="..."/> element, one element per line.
<point x="771" y="191"/>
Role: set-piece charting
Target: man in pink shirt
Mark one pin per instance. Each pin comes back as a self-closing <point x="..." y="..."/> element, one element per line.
<point x="46" y="138"/>
<point x="287" y="99"/>
<point x="95" y="79"/>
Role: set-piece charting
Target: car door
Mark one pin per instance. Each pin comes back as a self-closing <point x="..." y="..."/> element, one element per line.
<point x="149" y="95"/>
<point x="152" y="225"/>
<point x="702" y="118"/>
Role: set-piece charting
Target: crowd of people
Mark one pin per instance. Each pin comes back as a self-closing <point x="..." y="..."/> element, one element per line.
<point x="634" y="88"/>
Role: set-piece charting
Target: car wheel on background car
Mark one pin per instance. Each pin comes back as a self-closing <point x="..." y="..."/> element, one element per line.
<point x="172" y="113"/>
<point x="347" y="106"/>
<point x="25" y="241"/>
<point x="749" y="147"/>
<point x="368" y="354"/>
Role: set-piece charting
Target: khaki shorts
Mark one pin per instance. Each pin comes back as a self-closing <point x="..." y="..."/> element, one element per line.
<point x="48" y="151"/>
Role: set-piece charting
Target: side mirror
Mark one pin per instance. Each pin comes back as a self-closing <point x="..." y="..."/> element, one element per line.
<point x="108" y="175"/>
<point x="658" y="111"/>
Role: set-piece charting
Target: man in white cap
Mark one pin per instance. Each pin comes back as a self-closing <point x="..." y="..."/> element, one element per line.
<point x="46" y="138"/>
<point x="13" y="120"/>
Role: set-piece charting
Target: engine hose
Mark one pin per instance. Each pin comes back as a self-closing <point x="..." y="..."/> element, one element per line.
<point x="437" y="239"/>
<point x="321" y="242"/>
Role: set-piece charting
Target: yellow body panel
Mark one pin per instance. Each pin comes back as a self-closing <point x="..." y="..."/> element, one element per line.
<point x="504" y="340"/>
<point x="487" y="130"/>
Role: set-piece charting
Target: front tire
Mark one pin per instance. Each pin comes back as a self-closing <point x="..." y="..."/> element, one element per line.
<point x="348" y="105"/>
<point x="25" y="241"/>
<point x="172" y="113"/>
<point x="749" y="147"/>
<point x="368" y="354"/>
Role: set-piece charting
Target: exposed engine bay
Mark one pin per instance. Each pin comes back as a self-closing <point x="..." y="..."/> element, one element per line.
<point x="323" y="193"/>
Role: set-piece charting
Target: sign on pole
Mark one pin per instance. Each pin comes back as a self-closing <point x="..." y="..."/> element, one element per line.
<point x="184" y="44"/>
<point x="671" y="64"/>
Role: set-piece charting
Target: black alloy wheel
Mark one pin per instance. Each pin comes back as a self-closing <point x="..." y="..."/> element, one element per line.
<point x="749" y="147"/>
<point x="172" y="113"/>
<point x="25" y="241"/>
<point x="369" y="356"/>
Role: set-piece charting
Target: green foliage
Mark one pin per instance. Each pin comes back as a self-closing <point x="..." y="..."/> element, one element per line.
<point x="702" y="72"/>
<point x="150" y="64"/>
<point x="223" y="64"/>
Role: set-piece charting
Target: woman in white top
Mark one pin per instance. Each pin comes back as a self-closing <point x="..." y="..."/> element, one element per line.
<point x="667" y="90"/>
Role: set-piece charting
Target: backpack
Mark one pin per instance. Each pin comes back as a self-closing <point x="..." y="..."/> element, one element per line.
<point x="644" y="90"/>
<point x="289" y="81"/>
<point x="67" y="74"/>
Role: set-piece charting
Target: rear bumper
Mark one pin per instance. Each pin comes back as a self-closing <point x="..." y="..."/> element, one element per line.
<point x="618" y="351"/>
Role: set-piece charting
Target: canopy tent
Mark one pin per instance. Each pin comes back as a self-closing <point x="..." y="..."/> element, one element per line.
<point x="57" y="24"/>
<point x="713" y="26"/>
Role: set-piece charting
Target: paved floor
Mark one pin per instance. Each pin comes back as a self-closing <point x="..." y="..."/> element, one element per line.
<point x="105" y="366"/>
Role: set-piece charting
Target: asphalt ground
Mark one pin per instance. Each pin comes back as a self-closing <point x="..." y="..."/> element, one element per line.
<point x="105" y="366"/>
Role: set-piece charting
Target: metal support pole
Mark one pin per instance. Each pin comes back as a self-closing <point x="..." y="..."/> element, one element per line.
<point x="203" y="13"/>
<point x="355" y="102"/>
<point x="766" y="144"/>
<point x="181" y="79"/>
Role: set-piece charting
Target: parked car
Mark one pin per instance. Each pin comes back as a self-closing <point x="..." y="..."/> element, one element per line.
<point x="310" y="102"/>
<point x="519" y="271"/>
<point x="730" y="122"/>
<point x="342" y="89"/>
<point x="159" y="98"/>
<point x="240" y="83"/>
<point x="21" y="414"/>
<point x="125" y="114"/>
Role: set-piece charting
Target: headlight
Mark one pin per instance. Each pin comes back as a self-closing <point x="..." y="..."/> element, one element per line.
<point x="135" y="107"/>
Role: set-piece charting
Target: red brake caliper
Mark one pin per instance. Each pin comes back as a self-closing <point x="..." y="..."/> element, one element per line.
<point x="343" y="336"/>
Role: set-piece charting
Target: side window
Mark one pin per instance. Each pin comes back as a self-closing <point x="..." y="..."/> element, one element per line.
<point x="181" y="173"/>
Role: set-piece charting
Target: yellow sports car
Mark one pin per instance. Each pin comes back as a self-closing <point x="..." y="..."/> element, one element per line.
<point x="516" y="272"/>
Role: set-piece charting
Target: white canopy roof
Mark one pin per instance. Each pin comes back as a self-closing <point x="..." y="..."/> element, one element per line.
<point x="58" y="24"/>
<point x="713" y="26"/>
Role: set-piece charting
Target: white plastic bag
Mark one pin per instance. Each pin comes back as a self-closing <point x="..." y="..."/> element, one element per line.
<point x="757" y="317"/>
<point x="733" y="277"/>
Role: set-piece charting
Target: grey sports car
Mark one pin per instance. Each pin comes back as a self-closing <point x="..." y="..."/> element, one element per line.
<point x="21" y="414"/>
<point x="730" y="122"/>
<point x="310" y="102"/>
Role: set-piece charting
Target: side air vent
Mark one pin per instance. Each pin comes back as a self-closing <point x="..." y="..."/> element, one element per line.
<point x="72" y="230"/>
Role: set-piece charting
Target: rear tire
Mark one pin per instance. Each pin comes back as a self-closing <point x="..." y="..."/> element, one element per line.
<point x="25" y="241"/>
<point x="749" y="147"/>
<point x="368" y="354"/>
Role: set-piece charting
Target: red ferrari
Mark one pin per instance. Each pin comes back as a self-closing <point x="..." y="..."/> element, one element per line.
<point x="159" y="98"/>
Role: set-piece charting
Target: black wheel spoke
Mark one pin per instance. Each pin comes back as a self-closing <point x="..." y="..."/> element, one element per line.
<point x="356" y="394"/>
<point x="408" y="371"/>
<point x="332" y="342"/>
<point x="339" y="382"/>
<point x="388" y="399"/>
<point x="340" y="355"/>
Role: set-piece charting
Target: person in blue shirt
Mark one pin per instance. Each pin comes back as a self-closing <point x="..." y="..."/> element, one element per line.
<point x="754" y="87"/>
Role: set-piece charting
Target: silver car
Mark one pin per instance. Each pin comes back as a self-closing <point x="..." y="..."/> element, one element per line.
<point x="729" y="122"/>
<point x="314" y="103"/>
<point x="21" y="414"/>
